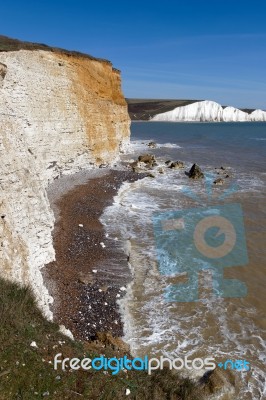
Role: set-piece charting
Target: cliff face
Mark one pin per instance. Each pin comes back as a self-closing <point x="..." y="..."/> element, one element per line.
<point x="59" y="113"/>
<point x="209" y="111"/>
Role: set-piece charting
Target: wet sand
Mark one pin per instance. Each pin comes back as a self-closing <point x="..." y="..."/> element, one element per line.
<point x="85" y="296"/>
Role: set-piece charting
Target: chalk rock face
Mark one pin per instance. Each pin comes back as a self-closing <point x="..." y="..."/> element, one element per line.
<point x="209" y="111"/>
<point x="258" y="115"/>
<point x="2" y="73"/>
<point x="199" y="111"/>
<point x="231" y="114"/>
<point x="59" y="113"/>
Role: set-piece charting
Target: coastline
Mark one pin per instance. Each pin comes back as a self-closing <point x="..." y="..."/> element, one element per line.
<point x="100" y="290"/>
<point x="85" y="295"/>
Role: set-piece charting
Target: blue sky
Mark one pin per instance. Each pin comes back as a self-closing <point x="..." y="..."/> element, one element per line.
<point x="169" y="49"/>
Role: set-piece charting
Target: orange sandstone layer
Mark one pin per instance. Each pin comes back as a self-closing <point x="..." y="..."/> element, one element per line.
<point x="60" y="112"/>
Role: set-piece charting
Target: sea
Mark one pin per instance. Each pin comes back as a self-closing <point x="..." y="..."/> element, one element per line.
<point x="225" y="325"/>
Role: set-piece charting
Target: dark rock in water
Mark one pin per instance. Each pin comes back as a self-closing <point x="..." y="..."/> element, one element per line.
<point x="143" y="163"/>
<point x="151" y="176"/>
<point x="176" y="164"/>
<point x="147" y="158"/>
<point x="222" y="171"/>
<point x="195" y="172"/>
<point x="219" y="181"/>
<point x="135" y="166"/>
<point x="152" y="145"/>
<point x="167" y="162"/>
<point x="149" y="166"/>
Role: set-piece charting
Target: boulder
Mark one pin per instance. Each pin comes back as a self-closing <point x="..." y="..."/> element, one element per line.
<point x="176" y="164"/>
<point x="135" y="166"/>
<point x="195" y="172"/>
<point x="152" y="145"/>
<point x="147" y="158"/>
<point x="218" y="181"/>
<point x="223" y="172"/>
<point x="140" y="166"/>
<point x="167" y="162"/>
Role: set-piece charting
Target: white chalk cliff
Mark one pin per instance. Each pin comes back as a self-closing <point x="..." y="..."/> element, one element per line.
<point x="209" y="111"/>
<point x="59" y="113"/>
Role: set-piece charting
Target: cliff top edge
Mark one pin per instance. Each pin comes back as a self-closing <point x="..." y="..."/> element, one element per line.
<point x="10" y="44"/>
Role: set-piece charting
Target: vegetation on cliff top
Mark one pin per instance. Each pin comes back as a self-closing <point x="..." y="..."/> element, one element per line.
<point x="9" y="44"/>
<point x="26" y="370"/>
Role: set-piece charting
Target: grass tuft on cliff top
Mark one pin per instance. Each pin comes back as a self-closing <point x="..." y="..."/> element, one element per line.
<point x="27" y="372"/>
<point x="10" y="44"/>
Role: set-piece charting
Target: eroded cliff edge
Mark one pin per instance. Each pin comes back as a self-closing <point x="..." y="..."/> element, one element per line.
<point x="59" y="112"/>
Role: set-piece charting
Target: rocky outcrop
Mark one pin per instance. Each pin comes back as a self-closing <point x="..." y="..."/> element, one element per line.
<point x="59" y="113"/>
<point x="152" y="145"/>
<point x="176" y="165"/>
<point x="148" y="159"/>
<point x="218" y="181"/>
<point x="195" y="172"/>
<point x="144" y="162"/>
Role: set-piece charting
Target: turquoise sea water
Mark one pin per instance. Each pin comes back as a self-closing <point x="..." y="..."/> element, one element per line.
<point x="226" y="328"/>
<point x="237" y="144"/>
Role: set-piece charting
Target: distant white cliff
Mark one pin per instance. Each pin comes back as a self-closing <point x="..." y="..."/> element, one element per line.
<point x="209" y="111"/>
<point x="258" y="115"/>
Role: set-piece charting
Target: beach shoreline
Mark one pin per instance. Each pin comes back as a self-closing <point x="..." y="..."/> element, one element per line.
<point x="85" y="295"/>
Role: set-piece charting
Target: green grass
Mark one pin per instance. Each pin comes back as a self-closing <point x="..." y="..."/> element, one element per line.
<point x="9" y="44"/>
<point x="27" y="373"/>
